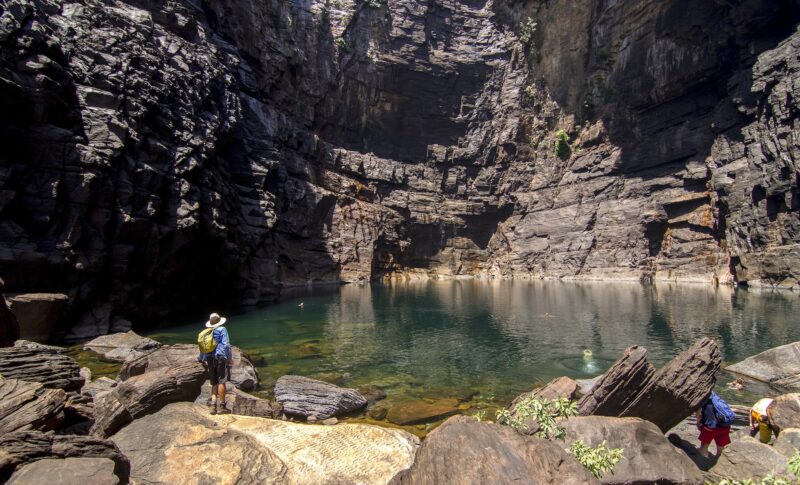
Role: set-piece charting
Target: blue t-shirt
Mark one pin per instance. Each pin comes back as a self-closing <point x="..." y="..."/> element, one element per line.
<point x="708" y="416"/>
<point x="223" y="350"/>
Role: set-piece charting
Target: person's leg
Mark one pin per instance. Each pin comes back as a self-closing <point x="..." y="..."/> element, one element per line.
<point x="222" y="378"/>
<point x="706" y="436"/>
<point x="722" y="438"/>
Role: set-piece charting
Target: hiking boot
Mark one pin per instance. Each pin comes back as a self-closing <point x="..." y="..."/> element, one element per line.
<point x="222" y="408"/>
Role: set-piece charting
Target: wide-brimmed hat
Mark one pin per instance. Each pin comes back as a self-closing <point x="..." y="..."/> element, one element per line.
<point x="214" y="321"/>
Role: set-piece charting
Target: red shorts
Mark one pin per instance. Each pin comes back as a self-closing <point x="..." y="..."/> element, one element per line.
<point x="721" y="435"/>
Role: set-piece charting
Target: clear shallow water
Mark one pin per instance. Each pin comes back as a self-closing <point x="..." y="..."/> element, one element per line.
<point x="485" y="342"/>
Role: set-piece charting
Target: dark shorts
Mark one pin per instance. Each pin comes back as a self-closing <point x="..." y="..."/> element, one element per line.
<point x="721" y="435"/>
<point x="218" y="371"/>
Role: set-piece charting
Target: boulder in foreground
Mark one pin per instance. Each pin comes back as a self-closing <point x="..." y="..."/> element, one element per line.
<point x="465" y="451"/>
<point x="122" y="347"/>
<point x="648" y="457"/>
<point x="679" y="387"/>
<point x="183" y="441"/>
<point x="146" y="394"/>
<point x="748" y="458"/>
<point x="66" y="471"/>
<point x="779" y="366"/>
<point x="23" y="447"/>
<point x="785" y="412"/>
<point x="301" y="396"/>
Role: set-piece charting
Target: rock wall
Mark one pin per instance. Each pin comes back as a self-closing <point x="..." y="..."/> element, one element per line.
<point x="160" y="157"/>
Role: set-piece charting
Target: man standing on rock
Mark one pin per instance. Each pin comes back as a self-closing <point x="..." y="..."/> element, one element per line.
<point x="217" y="357"/>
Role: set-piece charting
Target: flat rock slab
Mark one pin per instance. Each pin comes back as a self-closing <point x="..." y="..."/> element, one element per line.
<point x="29" y="406"/>
<point x="465" y="451"/>
<point x="40" y="363"/>
<point x="243" y="374"/>
<point x="648" y="457"/>
<point x="122" y="347"/>
<point x="416" y="412"/>
<point x="748" y="458"/>
<point x="301" y="396"/>
<point x="779" y="365"/>
<point x="67" y="471"/>
<point x="183" y="443"/>
<point x="21" y="448"/>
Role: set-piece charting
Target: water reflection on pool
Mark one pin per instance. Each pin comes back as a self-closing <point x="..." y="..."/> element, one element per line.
<point x="485" y="342"/>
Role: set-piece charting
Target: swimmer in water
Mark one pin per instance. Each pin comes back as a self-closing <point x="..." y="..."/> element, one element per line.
<point x="587" y="354"/>
<point x="736" y="385"/>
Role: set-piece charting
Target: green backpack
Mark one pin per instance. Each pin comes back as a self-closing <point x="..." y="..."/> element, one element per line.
<point x="205" y="341"/>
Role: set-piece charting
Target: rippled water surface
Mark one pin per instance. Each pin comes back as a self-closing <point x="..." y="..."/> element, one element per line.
<point x="485" y="342"/>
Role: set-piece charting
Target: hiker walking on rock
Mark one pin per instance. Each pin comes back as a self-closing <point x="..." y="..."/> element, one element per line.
<point x="714" y="420"/>
<point x="217" y="357"/>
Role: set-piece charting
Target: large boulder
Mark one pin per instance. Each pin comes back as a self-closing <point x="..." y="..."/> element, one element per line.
<point x="465" y="451"/>
<point x="648" y="457"/>
<point x="122" y="347"/>
<point x="20" y="448"/>
<point x="748" y="458"/>
<point x="9" y="327"/>
<point x="145" y="394"/>
<point x="557" y="388"/>
<point x="788" y="442"/>
<point x="301" y="396"/>
<point x="779" y="365"/>
<point x="630" y="388"/>
<point x="66" y="471"/>
<point x="29" y="406"/>
<point x="243" y="373"/>
<point x="38" y="314"/>
<point x="182" y="443"/>
<point x="40" y="363"/>
<point x="785" y="412"/>
<point x="614" y="391"/>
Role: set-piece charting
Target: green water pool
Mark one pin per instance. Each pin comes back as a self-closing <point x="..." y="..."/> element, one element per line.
<point x="483" y="343"/>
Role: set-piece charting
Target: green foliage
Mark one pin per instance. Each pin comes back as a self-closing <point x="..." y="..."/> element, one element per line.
<point x="342" y="43"/>
<point x="527" y="27"/>
<point x="479" y="415"/>
<point x="337" y="4"/>
<point x="530" y="90"/>
<point x="373" y="3"/>
<point x="597" y="460"/>
<point x="562" y="149"/>
<point x="794" y="464"/>
<point x="543" y="411"/>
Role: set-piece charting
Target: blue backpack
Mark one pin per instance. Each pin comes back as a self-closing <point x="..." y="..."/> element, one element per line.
<point x="722" y="411"/>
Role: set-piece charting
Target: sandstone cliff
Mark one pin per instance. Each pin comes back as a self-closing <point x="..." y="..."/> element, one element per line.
<point x="164" y="155"/>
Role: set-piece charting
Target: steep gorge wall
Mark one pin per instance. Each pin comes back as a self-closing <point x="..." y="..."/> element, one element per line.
<point x="160" y="157"/>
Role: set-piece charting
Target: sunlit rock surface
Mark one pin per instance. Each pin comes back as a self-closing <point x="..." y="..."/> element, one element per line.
<point x="182" y="443"/>
<point x="160" y="157"/>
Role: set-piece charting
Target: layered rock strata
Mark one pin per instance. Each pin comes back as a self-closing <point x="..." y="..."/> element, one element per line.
<point x="348" y="140"/>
